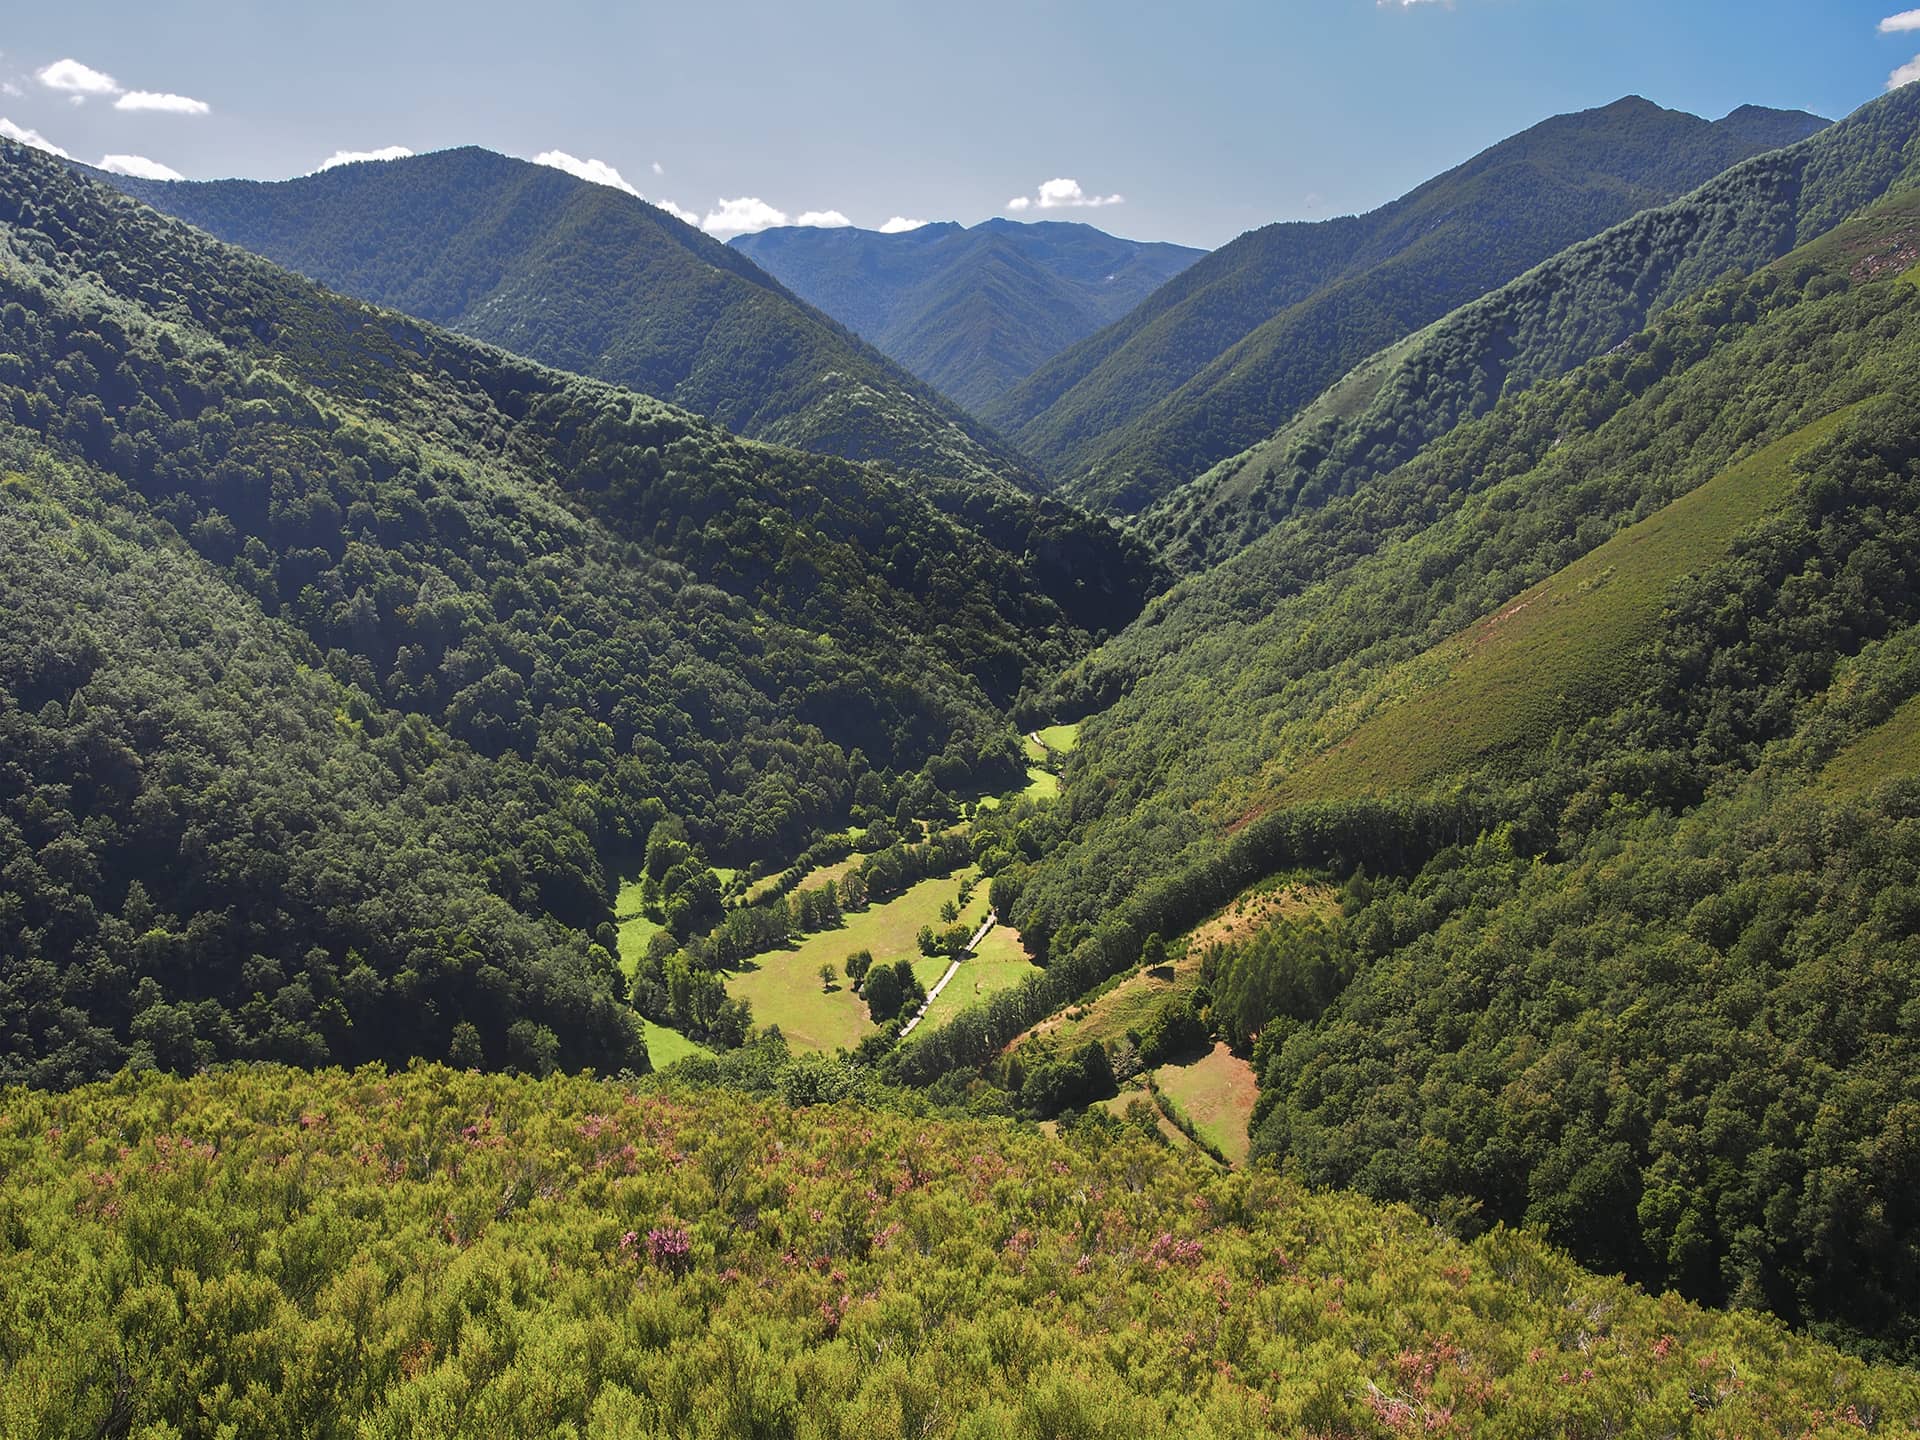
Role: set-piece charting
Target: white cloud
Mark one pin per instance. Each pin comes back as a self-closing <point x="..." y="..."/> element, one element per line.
<point x="30" y="137"/>
<point x="72" y="76"/>
<point x="163" y="101"/>
<point x="355" y="157"/>
<point x="899" y="225"/>
<point x="1063" y="194"/>
<point x="140" y="167"/>
<point x="677" y="213"/>
<point x="823" y="219"/>
<point x="1905" y="20"/>
<point x="594" y="172"/>
<point x="7" y="87"/>
<point x="658" y="168"/>
<point x="742" y="216"/>
<point x="1905" y="75"/>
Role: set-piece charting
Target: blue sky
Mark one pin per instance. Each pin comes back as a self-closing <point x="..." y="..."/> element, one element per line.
<point x="1191" y="121"/>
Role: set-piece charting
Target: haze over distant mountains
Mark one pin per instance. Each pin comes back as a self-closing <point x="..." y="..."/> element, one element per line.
<point x="1225" y="353"/>
<point x="593" y="280"/>
<point x="970" y="310"/>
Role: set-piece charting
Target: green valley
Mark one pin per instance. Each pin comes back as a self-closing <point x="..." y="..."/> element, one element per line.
<point x="585" y="853"/>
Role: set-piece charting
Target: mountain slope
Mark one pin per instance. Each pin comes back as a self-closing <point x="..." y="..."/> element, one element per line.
<point x="1227" y="352"/>
<point x="1557" y="701"/>
<point x="359" y="659"/>
<point x="1578" y="305"/>
<point x="970" y="311"/>
<point x="592" y="280"/>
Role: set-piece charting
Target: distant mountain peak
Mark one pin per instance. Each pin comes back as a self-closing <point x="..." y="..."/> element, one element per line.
<point x="969" y="309"/>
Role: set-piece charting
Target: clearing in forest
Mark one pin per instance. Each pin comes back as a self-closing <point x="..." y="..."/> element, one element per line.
<point x="1215" y="1093"/>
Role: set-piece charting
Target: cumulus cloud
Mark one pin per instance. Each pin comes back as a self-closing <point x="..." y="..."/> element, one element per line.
<point x="688" y="216"/>
<point x="163" y="101"/>
<point x="140" y="167"/>
<point x="658" y="168"/>
<point x="899" y="225"/>
<point x="594" y="172"/>
<point x="1063" y="194"/>
<point x="30" y="137"/>
<point x="1905" y="75"/>
<point x="823" y="219"/>
<point x="742" y="216"/>
<point x="7" y="87"/>
<point x="354" y="157"/>
<point x="77" y="79"/>
<point x="1905" y="20"/>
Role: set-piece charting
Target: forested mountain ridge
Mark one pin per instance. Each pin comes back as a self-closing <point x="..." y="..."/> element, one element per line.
<point x="592" y="280"/>
<point x="1574" y="307"/>
<point x="970" y="311"/>
<point x="359" y="655"/>
<point x="1228" y="351"/>
<point x="1563" y="700"/>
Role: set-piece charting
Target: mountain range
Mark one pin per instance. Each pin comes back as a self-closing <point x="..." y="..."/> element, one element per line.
<point x="1357" y="873"/>
<point x="1231" y="349"/>
<point x="971" y="310"/>
<point x="592" y="280"/>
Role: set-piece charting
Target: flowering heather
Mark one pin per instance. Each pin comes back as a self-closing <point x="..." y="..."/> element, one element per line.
<point x="451" y="1254"/>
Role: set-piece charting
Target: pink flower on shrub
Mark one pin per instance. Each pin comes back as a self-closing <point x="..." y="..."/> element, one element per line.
<point x="670" y="1248"/>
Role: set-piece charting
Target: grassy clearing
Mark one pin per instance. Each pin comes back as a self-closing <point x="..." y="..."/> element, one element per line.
<point x="1131" y="1003"/>
<point x="1215" y="1093"/>
<point x="665" y="1046"/>
<point x="1001" y="964"/>
<point x="636" y="933"/>
<point x="783" y="986"/>
<point x="1557" y="653"/>
<point x="1041" y="784"/>
<point x="1036" y="752"/>
<point x="816" y="877"/>
<point x="1888" y="751"/>
<point x="1060" y="739"/>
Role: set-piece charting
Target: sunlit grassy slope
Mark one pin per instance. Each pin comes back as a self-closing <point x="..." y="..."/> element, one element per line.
<point x="1556" y="653"/>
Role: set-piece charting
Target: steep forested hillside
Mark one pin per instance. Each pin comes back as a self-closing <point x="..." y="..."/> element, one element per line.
<point x="592" y="280"/>
<point x="266" y="1252"/>
<point x="355" y="657"/>
<point x="970" y="311"/>
<point x="1226" y="353"/>
<point x="1566" y="700"/>
<point x="1578" y="305"/>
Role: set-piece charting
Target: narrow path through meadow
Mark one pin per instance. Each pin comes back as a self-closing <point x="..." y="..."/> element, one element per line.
<point x="952" y="970"/>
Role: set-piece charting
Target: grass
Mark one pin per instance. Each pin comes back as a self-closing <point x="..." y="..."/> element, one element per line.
<point x="1216" y="1095"/>
<point x="1132" y="1002"/>
<point x="1889" y="750"/>
<point x="783" y="986"/>
<point x="1060" y="739"/>
<point x="1557" y="653"/>
<point x="1036" y="752"/>
<point x="635" y="935"/>
<point x="665" y="1046"/>
<point x="1041" y="784"/>
<point x="1001" y="964"/>
<point x="815" y="878"/>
